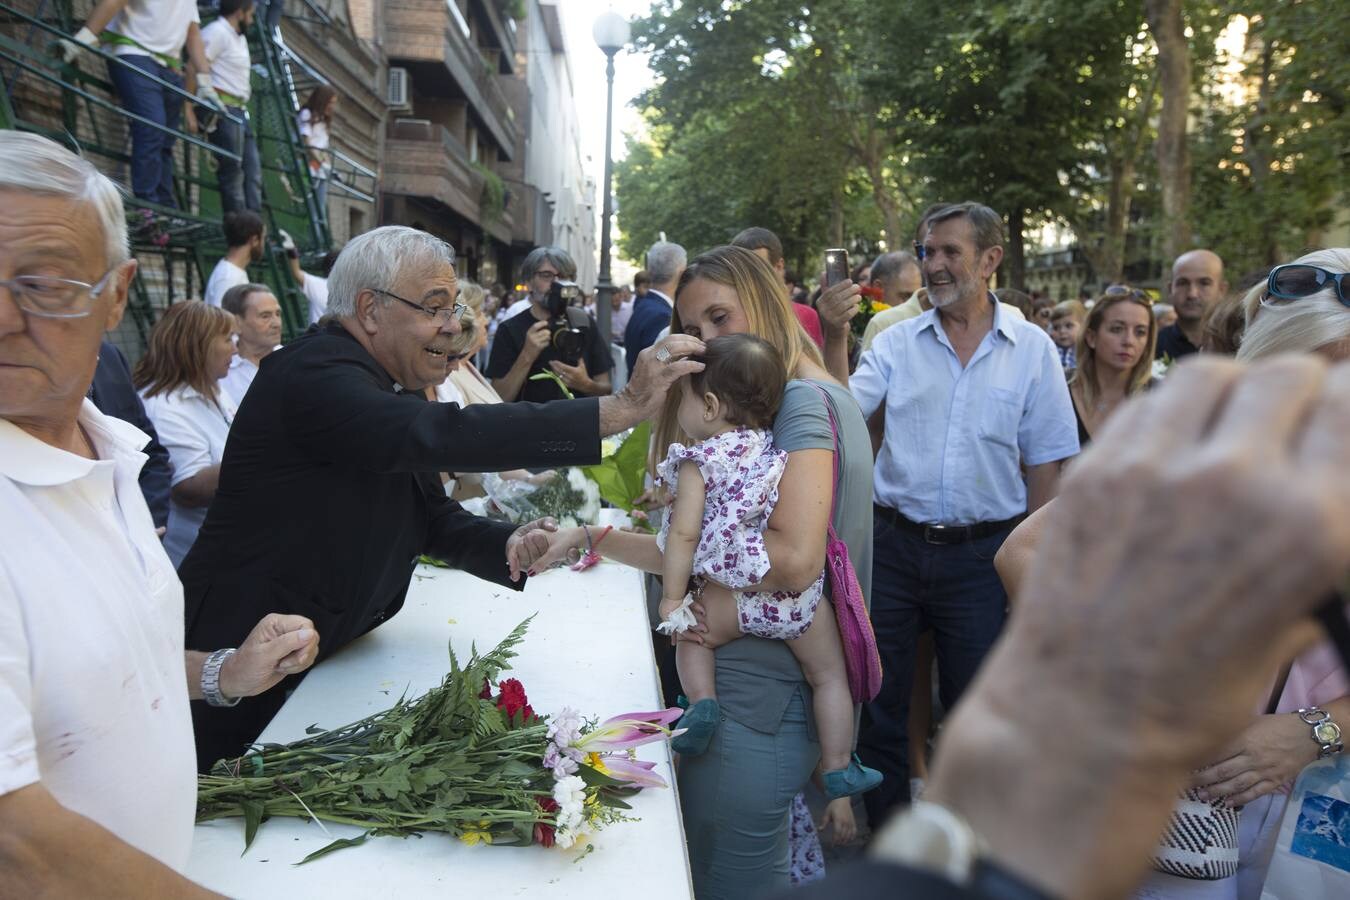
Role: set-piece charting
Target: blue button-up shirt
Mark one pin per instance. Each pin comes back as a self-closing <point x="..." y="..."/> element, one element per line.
<point x="955" y="436"/>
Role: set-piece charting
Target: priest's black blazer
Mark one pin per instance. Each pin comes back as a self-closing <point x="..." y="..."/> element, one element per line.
<point x="329" y="493"/>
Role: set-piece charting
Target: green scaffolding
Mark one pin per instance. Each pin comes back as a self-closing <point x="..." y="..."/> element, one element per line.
<point x="74" y="104"/>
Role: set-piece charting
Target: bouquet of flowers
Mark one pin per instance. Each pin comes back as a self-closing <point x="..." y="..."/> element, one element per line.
<point x="463" y="758"/>
<point x="868" y="306"/>
<point x="568" y="496"/>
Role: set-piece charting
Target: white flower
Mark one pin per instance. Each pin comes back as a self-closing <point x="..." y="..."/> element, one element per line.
<point x="608" y="447"/>
<point x="559" y="762"/>
<point x="1160" y="367"/>
<point x="577" y="479"/>
<point x="570" y="794"/>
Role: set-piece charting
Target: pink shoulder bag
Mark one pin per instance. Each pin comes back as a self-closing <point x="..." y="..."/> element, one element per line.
<point x="855" y="628"/>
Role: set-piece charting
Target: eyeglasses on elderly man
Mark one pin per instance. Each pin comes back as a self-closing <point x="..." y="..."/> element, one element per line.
<point x="55" y="298"/>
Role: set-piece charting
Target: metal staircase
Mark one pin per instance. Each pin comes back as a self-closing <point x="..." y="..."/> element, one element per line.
<point x="177" y="248"/>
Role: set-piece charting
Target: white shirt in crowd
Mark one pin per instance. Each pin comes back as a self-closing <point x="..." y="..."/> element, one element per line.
<point x="618" y="320"/>
<point x="315" y="290"/>
<point x="93" y="692"/>
<point x="241" y="375"/>
<point x="223" y="277"/>
<point x="315" y="135"/>
<point x="517" y="308"/>
<point x="193" y="429"/>
<point x="227" y="52"/>
<point x="159" y="26"/>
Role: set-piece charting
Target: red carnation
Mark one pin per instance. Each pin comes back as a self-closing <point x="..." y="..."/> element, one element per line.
<point x="511" y="698"/>
<point x="543" y="831"/>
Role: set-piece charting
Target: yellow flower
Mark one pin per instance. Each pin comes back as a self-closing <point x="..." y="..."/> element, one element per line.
<point x="472" y="836"/>
<point x="597" y="762"/>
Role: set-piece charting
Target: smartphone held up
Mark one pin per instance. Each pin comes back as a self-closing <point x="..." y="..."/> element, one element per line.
<point x="836" y="267"/>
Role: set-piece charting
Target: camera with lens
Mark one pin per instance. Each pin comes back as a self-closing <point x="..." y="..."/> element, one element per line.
<point x="567" y="323"/>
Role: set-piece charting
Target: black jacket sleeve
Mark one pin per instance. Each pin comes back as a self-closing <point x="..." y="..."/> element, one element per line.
<point x="115" y="395"/>
<point x="467" y="542"/>
<point x="344" y="411"/>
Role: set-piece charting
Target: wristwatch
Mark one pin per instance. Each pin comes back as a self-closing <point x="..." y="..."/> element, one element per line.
<point x="932" y="838"/>
<point x="211" y="679"/>
<point x="1325" y="733"/>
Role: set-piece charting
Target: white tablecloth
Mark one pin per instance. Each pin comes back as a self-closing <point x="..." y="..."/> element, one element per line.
<point x="588" y="647"/>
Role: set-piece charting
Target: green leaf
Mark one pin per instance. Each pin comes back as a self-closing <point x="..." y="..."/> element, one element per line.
<point x="253" y="816"/>
<point x="549" y="376"/>
<point x="621" y="477"/>
<point x="340" y="844"/>
<point x="596" y="779"/>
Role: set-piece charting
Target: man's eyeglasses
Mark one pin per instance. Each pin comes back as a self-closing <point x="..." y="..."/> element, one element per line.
<point x="55" y="298"/>
<point x="547" y="276"/>
<point x="1296" y="281"/>
<point x="444" y="315"/>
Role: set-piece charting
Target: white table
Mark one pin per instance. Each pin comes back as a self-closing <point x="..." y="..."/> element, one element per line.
<point x="588" y="647"/>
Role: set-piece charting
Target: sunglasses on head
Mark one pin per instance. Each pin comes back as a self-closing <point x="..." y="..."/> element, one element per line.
<point x="1297" y="280"/>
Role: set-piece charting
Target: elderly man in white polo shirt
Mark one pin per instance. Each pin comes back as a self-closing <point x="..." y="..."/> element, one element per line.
<point x="97" y="781"/>
<point x="971" y="396"/>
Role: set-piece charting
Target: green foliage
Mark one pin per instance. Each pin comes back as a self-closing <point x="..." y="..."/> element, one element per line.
<point x="621" y="476"/>
<point x="835" y="121"/>
<point x="493" y="199"/>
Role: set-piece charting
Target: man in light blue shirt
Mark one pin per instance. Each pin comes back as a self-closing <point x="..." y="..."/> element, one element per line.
<point x="972" y="398"/>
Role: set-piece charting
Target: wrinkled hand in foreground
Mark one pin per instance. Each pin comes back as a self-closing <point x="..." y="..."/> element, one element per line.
<point x="1188" y="548"/>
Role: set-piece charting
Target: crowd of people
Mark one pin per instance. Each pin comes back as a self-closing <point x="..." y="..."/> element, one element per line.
<point x="844" y="522"/>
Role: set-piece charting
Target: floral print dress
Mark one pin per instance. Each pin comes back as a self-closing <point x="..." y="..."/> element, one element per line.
<point x="741" y="469"/>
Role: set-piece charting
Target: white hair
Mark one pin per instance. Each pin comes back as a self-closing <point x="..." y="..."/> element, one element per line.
<point x="665" y="261"/>
<point x="375" y="259"/>
<point x="1297" y="326"/>
<point x="36" y="165"/>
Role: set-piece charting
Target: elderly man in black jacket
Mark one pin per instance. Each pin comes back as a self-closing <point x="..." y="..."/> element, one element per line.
<point x="329" y="490"/>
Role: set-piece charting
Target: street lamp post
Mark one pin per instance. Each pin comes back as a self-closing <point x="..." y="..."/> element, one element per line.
<point x="611" y="35"/>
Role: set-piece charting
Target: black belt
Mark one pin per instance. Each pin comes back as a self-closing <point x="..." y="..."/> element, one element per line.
<point x="945" y="534"/>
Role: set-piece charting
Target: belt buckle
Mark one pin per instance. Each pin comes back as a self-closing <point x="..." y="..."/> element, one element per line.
<point x="934" y="534"/>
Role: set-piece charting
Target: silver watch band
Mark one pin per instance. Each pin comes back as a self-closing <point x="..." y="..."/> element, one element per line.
<point x="211" y="679"/>
<point x="1325" y="732"/>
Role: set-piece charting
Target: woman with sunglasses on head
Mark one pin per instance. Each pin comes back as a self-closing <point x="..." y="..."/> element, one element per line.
<point x="1302" y="307"/>
<point x="1115" y="357"/>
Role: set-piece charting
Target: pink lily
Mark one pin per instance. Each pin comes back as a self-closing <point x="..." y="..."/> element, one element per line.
<point x="630" y="730"/>
<point x="635" y="772"/>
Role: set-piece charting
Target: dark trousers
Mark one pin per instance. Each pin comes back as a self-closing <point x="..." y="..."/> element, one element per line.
<point x="151" y="147"/>
<point x="952" y="589"/>
<point x="240" y="182"/>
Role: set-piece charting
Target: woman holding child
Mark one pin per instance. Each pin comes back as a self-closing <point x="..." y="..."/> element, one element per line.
<point x="759" y="732"/>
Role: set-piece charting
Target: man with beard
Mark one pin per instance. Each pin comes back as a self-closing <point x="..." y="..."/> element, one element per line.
<point x="971" y="396"/>
<point x="1197" y="283"/>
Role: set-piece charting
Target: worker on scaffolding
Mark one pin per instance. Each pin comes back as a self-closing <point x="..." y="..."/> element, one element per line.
<point x="227" y="54"/>
<point x="148" y="38"/>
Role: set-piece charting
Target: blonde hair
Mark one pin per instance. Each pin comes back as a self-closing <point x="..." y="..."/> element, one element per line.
<point x="1297" y="326"/>
<point x="176" y="352"/>
<point x="768" y="314"/>
<point x="1086" y="373"/>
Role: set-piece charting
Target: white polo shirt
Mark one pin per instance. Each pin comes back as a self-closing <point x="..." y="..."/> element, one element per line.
<point x="223" y="277"/>
<point x="193" y="429"/>
<point x="227" y="52"/>
<point x="159" y="26"/>
<point x="93" y="692"/>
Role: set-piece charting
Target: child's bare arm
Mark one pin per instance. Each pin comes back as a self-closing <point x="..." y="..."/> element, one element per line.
<point x="686" y="526"/>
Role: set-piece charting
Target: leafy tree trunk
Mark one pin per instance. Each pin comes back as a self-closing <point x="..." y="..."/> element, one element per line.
<point x="1016" y="263"/>
<point x="1174" y="163"/>
<point x="872" y="154"/>
<point x="1256" y="147"/>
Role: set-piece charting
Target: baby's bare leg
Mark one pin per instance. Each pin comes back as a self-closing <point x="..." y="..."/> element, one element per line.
<point x="821" y="654"/>
<point x="695" y="662"/>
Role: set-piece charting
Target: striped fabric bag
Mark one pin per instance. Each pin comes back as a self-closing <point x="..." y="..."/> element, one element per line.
<point x="1200" y="841"/>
